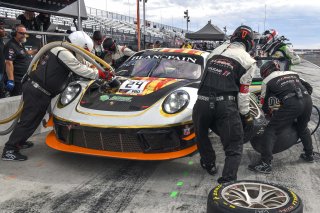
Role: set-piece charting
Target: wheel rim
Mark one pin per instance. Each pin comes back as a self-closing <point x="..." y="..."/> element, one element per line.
<point x="254" y="108"/>
<point x="255" y="196"/>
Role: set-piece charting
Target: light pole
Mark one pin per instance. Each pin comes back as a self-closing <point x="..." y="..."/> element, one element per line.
<point x="144" y="23"/>
<point x="186" y="16"/>
<point x="79" y="15"/>
<point x="265" y="17"/>
<point x="138" y="24"/>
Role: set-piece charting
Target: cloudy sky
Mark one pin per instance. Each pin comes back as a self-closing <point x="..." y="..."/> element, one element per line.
<point x="298" y="20"/>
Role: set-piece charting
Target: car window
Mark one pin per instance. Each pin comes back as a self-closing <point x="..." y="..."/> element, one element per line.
<point x="163" y="65"/>
<point x="177" y="69"/>
<point x="143" y="67"/>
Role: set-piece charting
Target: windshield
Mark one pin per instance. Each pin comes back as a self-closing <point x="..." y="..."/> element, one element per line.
<point x="163" y="65"/>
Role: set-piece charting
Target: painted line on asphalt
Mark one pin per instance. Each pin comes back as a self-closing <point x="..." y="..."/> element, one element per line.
<point x="174" y="194"/>
<point x="180" y="184"/>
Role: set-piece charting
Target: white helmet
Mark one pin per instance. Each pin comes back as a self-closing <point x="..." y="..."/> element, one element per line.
<point x="81" y="39"/>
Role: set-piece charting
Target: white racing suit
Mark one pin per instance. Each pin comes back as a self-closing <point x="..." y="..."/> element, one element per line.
<point x="50" y="78"/>
<point x="121" y="54"/>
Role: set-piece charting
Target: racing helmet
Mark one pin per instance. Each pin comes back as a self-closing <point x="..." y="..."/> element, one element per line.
<point x="267" y="68"/>
<point x="243" y="34"/>
<point x="109" y="44"/>
<point x="81" y="39"/>
<point x="268" y="38"/>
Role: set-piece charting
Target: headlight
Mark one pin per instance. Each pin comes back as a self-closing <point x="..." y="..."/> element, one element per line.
<point x="176" y="102"/>
<point x="69" y="94"/>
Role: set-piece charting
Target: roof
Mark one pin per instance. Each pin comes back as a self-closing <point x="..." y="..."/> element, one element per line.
<point x="208" y="32"/>
<point x="68" y="8"/>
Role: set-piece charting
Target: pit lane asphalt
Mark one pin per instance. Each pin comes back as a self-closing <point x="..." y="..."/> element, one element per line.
<point x="53" y="181"/>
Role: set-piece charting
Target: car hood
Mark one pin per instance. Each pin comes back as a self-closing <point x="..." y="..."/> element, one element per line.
<point x="134" y="94"/>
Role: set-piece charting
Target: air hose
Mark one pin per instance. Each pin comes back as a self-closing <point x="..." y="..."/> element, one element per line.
<point x="91" y="58"/>
<point x="317" y="126"/>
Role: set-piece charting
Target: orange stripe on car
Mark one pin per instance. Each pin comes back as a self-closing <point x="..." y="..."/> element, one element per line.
<point x="164" y="83"/>
<point x="190" y="137"/>
<point x="165" y="50"/>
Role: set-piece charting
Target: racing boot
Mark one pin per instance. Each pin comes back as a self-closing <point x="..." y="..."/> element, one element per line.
<point x="26" y="145"/>
<point x="261" y="167"/>
<point x="211" y="168"/>
<point x="307" y="157"/>
<point x="222" y="180"/>
<point x="11" y="154"/>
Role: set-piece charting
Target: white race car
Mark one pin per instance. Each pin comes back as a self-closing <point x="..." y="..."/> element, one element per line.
<point x="148" y="118"/>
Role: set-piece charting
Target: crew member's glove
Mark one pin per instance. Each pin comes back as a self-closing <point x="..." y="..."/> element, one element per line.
<point x="102" y="74"/>
<point x="247" y="120"/>
<point x="114" y="83"/>
<point x="10" y="85"/>
<point x="106" y="74"/>
<point x="257" y="58"/>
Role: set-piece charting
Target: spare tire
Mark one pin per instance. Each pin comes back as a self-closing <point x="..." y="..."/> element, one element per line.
<point x="285" y="139"/>
<point x="252" y="197"/>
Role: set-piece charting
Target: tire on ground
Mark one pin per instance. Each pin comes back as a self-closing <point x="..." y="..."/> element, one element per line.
<point x="217" y="203"/>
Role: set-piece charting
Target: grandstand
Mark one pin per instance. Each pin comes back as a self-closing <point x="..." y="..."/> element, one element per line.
<point x="122" y="28"/>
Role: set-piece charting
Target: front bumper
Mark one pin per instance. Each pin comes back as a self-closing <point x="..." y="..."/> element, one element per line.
<point x="139" y="144"/>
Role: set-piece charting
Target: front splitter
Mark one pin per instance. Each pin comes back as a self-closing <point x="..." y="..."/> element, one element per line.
<point x="55" y="143"/>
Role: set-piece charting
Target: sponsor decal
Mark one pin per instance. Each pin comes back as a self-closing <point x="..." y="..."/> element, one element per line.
<point x="215" y="192"/>
<point x="115" y="98"/>
<point x="219" y="71"/>
<point x="244" y="88"/>
<point x="295" y="198"/>
<point x="169" y="57"/>
<point x="133" y="86"/>
<point x="224" y="63"/>
<point x="121" y="99"/>
<point x="272" y="101"/>
<point x="186" y="130"/>
<point x="261" y="211"/>
<point x="286" y="209"/>
<point x="104" y="97"/>
<point x="11" y="53"/>
<point x="294" y="203"/>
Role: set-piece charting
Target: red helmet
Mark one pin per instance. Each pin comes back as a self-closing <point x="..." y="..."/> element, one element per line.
<point x="267" y="68"/>
<point x="268" y="38"/>
<point x="243" y="34"/>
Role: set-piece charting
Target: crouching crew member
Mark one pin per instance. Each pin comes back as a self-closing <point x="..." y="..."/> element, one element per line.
<point x="50" y="78"/>
<point x="119" y="54"/>
<point x="294" y="95"/>
<point x="223" y="93"/>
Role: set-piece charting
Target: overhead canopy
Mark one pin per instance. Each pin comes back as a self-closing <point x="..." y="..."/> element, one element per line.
<point x="68" y="8"/>
<point x="208" y="32"/>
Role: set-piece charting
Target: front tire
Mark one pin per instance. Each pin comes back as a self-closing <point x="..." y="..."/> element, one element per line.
<point x="252" y="197"/>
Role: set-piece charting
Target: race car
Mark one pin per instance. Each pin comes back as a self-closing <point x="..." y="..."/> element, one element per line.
<point x="149" y="117"/>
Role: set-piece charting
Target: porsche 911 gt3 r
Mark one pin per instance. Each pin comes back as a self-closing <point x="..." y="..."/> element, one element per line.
<point x="148" y="118"/>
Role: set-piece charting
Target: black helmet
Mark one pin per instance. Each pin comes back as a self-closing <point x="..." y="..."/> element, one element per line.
<point x="267" y="68"/>
<point x="109" y="44"/>
<point x="243" y="34"/>
<point x="97" y="36"/>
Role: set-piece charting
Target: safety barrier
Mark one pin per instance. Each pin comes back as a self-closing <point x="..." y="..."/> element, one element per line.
<point x="7" y="107"/>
